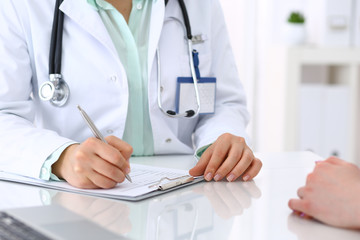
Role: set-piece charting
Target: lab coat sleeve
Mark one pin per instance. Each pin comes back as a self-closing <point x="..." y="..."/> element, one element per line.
<point x="23" y="147"/>
<point x="231" y="115"/>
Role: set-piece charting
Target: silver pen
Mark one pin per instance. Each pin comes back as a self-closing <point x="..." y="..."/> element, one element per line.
<point x="95" y="131"/>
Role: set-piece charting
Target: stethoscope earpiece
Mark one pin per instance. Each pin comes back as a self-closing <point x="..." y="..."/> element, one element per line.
<point x="171" y="112"/>
<point x="188" y="113"/>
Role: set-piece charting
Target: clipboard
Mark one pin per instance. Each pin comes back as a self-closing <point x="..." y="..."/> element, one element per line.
<point x="158" y="181"/>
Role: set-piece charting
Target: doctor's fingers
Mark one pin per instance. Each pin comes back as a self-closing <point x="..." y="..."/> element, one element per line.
<point x="108" y="170"/>
<point x="253" y="170"/>
<point x="106" y="152"/>
<point x="237" y="161"/>
<point x="95" y="173"/>
<point x="123" y="147"/>
<point x="220" y="152"/>
<point x="200" y="167"/>
<point x="101" y="181"/>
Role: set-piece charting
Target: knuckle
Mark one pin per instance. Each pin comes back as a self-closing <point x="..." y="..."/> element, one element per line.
<point x="116" y="157"/>
<point x="240" y="140"/>
<point x="80" y="156"/>
<point x="129" y="149"/>
<point x="223" y="171"/>
<point x="78" y="168"/>
<point x="226" y="136"/>
<point x="310" y="177"/>
<point x="90" y="142"/>
<point x="248" y="154"/>
<point x="237" y="155"/>
<point x="112" y="171"/>
<point x="119" y="163"/>
<point x="110" y="138"/>
<point x="219" y="153"/>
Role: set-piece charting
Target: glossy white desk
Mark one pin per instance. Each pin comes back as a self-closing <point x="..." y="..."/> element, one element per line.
<point x="214" y="210"/>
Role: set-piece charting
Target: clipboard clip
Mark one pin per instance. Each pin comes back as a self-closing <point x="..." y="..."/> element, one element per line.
<point x="172" y="182"/>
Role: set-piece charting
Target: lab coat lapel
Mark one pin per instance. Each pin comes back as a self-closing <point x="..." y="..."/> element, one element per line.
<point x="156" y="24"/>
<point x="89" y="19"/>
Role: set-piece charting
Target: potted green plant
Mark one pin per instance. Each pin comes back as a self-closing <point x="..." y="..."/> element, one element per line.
<point x="296" y="33"/>
<point x="296" y="18"/>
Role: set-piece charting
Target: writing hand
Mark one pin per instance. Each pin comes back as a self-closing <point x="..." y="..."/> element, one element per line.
<point x="94" y="164"/>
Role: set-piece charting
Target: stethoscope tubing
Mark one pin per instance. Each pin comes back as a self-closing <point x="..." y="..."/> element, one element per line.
<point x="55" y="55"/>
<point x="189" y="113"/>
<point x="59" y="90"/>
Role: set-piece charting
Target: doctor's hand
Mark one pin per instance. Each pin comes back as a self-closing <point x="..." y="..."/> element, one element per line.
<point x="94" y="164"/>
<point x="228" y="157"/>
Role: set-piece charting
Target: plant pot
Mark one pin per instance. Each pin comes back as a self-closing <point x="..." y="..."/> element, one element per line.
<point x="295" y="34"/>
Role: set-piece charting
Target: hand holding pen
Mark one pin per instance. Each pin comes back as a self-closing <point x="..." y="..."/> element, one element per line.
<point x="95" y="131"/>
<point x="94" y="163"/>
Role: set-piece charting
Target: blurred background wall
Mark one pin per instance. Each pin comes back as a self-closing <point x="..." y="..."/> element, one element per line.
<point x="301" y="79"/>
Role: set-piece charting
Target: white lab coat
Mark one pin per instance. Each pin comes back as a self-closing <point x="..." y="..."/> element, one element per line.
<point x="30" y="129"/>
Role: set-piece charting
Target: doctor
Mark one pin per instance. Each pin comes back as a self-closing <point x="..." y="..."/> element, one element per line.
<point x="110" y="63"/>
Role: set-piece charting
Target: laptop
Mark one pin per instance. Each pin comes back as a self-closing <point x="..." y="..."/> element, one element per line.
<point x="49" y="222"/>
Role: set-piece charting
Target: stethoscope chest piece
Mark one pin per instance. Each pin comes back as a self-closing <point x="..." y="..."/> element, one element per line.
<point x="56" y="91"/>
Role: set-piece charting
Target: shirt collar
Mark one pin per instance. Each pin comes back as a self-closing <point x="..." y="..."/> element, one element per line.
<point x="102" y="4"/>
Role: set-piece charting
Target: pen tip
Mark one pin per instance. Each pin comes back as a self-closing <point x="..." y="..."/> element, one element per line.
<point x="78" y="106"/>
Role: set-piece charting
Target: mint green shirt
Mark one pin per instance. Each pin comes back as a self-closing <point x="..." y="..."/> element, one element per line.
<point x="131" y="42"/>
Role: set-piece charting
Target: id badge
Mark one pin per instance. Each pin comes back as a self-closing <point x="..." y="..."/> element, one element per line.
<point x="186" y="96"/>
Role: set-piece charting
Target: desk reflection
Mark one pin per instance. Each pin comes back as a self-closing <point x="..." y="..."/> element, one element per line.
<point x="110" y="214"/>
<point x="310" y="229"/>
<point x="182" y="214"/>
<point x="229" y="199"/>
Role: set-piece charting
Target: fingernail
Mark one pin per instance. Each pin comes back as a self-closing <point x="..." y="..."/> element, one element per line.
<point x="127" y="170"/>
<point x="231" y="177"/>
<point x="246" y="177"/>
<point x="319" y="161"/>
<point x="217" y="177"/>
<point x="208" y="177"/>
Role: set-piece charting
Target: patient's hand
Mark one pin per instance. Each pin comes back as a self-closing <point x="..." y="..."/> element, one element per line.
<point x="331" y="194"/>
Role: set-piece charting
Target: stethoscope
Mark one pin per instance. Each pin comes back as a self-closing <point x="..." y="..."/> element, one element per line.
<point x="57" y="91"/>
